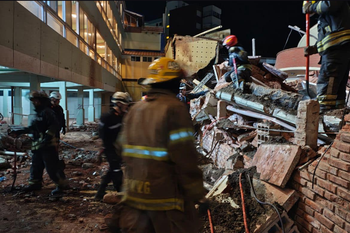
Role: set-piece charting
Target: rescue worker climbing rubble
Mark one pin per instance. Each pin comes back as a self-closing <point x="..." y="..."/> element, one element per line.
<point x="109" y="128"/>
<point x="162" y="179"/>
<point x="237" y="57"/>
<point x="333" y="45"/>
<point x="185" y="97"/>
<point x="44" y="129"/>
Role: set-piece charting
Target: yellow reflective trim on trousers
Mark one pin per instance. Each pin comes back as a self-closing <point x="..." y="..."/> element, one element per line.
<point x="326" y="97"/>
<point x="145" y="152"/>
<point x="333" y="39"/>
<point x="155" y="204"/>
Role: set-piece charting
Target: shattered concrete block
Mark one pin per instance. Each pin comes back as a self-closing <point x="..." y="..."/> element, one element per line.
<point x="221" y="109"/>
<point x="276" y="162"/>
<point x="307" y="123"/>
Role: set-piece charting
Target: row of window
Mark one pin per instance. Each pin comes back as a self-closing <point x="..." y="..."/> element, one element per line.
<point x="144" y="59"/>
<point x="69" y="20"/>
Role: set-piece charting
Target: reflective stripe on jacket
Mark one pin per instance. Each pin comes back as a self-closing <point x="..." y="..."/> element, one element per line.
<point x="161" y="160"/>
<point x="333" y="24"/>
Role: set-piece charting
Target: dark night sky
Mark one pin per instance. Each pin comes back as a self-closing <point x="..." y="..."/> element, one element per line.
<point x="266" y="21"/>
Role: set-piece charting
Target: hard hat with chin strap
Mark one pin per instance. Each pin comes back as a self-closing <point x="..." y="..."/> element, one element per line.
<point x="56" y="95"/>
<point x="161" y="70"/>
<point x="121" y="97"/>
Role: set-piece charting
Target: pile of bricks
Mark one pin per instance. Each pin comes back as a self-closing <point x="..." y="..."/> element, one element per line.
<point x="325" y="197"/>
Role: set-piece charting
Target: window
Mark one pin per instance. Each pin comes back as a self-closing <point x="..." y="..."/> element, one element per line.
<point x="198" y="26"/>
<point x="147" y="59"/>
<point x="135" y="58"/>
<point x="53" y="5"/>
<point x="100" y="45"/>
<point x="54" y="23"/>
<point x="60" y="7"/>
<point x="71" y="37"/>
<point x="75" y="13"/>
<point x="199" y="14"/>
<point x="33" y="7"/>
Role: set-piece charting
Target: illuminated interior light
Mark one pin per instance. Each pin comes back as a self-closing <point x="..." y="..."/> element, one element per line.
<point x="168" y="14"/>
<point x="74" y="15"/>
<point x="167" y="26"/>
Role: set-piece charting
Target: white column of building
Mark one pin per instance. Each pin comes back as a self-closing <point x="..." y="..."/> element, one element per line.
<point x="64" y="100"/>
<point x="98" y="105"/>
<point x="91" y="110"/>
<point x="17" y="106"/>
<point x="5" y="108"/>
<point x="34" y="86"/>
<point x="80" y="110"/>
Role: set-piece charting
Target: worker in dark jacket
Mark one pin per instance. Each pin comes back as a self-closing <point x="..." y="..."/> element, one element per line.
<point x="109" y="128"/>
<point x="56" y="97"/>
<point x="185" y="97"/>
<point x="162" y="179"/>
<point x="333" y="45"/>
<point x="44" y="129"/>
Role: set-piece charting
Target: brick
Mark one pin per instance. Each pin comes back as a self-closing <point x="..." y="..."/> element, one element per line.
<point x="345" y="157"/>
<point x="316" y="224"/>
<point x="344" y="175"/>
<point x="347" y="118"/>
<point x="321" y="174"/>
<point x="343" y="165"/>
<point x="342" y="146"/>
<point x="297" y="178"/>
<point x="344" y="136"/>
<point x="325" y="230"/>
<point x="327" y="204"/>
<point x="324" y="221"/>
<point x="334" y="152"/>
<point x="331" y="216"/>
<point x="341" y="212"/>
<point x="323" y="165"/>
<point x="339" y="230"/>
<point x="343" y="193"/>
<point x="306" y="175"/>
<point x="316" y="230"/>
<point x="338" y="180"/>
<point x="308" y="210"/>
<point x="313" y="205"/>
<point x="326" y="185"/>
<point x="330" y="196"/>
<point x="317" y="189"/>
<point x="303" y="226"/>
<point x="347" y="227"/>
<point x="307" y="192"/>
<point x="294" y="229"/>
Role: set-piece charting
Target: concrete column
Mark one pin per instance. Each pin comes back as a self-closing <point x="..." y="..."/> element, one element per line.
<point x="64" y="101"/>
<point x="98" y="105"/>
<point x="5" y="108"/>
<point x="34" y="86"/>
<point x="17" y="106"/>
<point x="91" y="110"/>
<point x="80" y="111"/>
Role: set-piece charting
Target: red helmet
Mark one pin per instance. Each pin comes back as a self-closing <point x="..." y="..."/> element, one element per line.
<point x="230" y="41"/>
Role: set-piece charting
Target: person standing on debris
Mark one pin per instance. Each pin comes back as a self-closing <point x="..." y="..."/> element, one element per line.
<point x="56" y="97"/>
<point x="44" y="129"/>
<point x="185" y="97"/>
<point x="333" y="45"/>
<point x="163" y="181"/>
<point x="109" y="128"/>
<point x="237" y="57"/>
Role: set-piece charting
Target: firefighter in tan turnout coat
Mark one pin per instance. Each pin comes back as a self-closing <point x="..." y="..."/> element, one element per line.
<point x="162" y="179"/>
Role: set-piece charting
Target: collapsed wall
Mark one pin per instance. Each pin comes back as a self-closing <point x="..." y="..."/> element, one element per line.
<point x="324" y="189"/>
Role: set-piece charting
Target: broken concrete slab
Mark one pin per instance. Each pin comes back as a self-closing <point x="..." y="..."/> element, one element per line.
<point x="276" y="162"/>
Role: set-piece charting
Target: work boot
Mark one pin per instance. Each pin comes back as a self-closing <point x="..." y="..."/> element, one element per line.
<point x="32" y="187"/>
<point x="57" y="192"/>
<point x="99" y="195"/>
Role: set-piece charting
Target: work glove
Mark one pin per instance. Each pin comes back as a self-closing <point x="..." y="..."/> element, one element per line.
<point x="203" y="206"/>
<point x="306" y="7"/>
<point x="64" y="131"/>
<point x="310" y="50"/>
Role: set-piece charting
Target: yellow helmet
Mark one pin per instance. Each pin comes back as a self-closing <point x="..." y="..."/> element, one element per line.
<point x="161" y="70"/>
<point x="304" y="2"/>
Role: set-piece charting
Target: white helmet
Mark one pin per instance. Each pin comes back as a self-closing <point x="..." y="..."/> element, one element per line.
<point x="121" y="97"/>
<point x="56" y="95"/>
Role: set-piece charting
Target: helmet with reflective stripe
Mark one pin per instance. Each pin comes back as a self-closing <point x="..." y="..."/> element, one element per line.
<point x="56" y="95"/>
<point x="161" y="70"/>
<point x="182" y="86"/>
<point x="230" y="41"/>
<point x="121" y="97"/>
